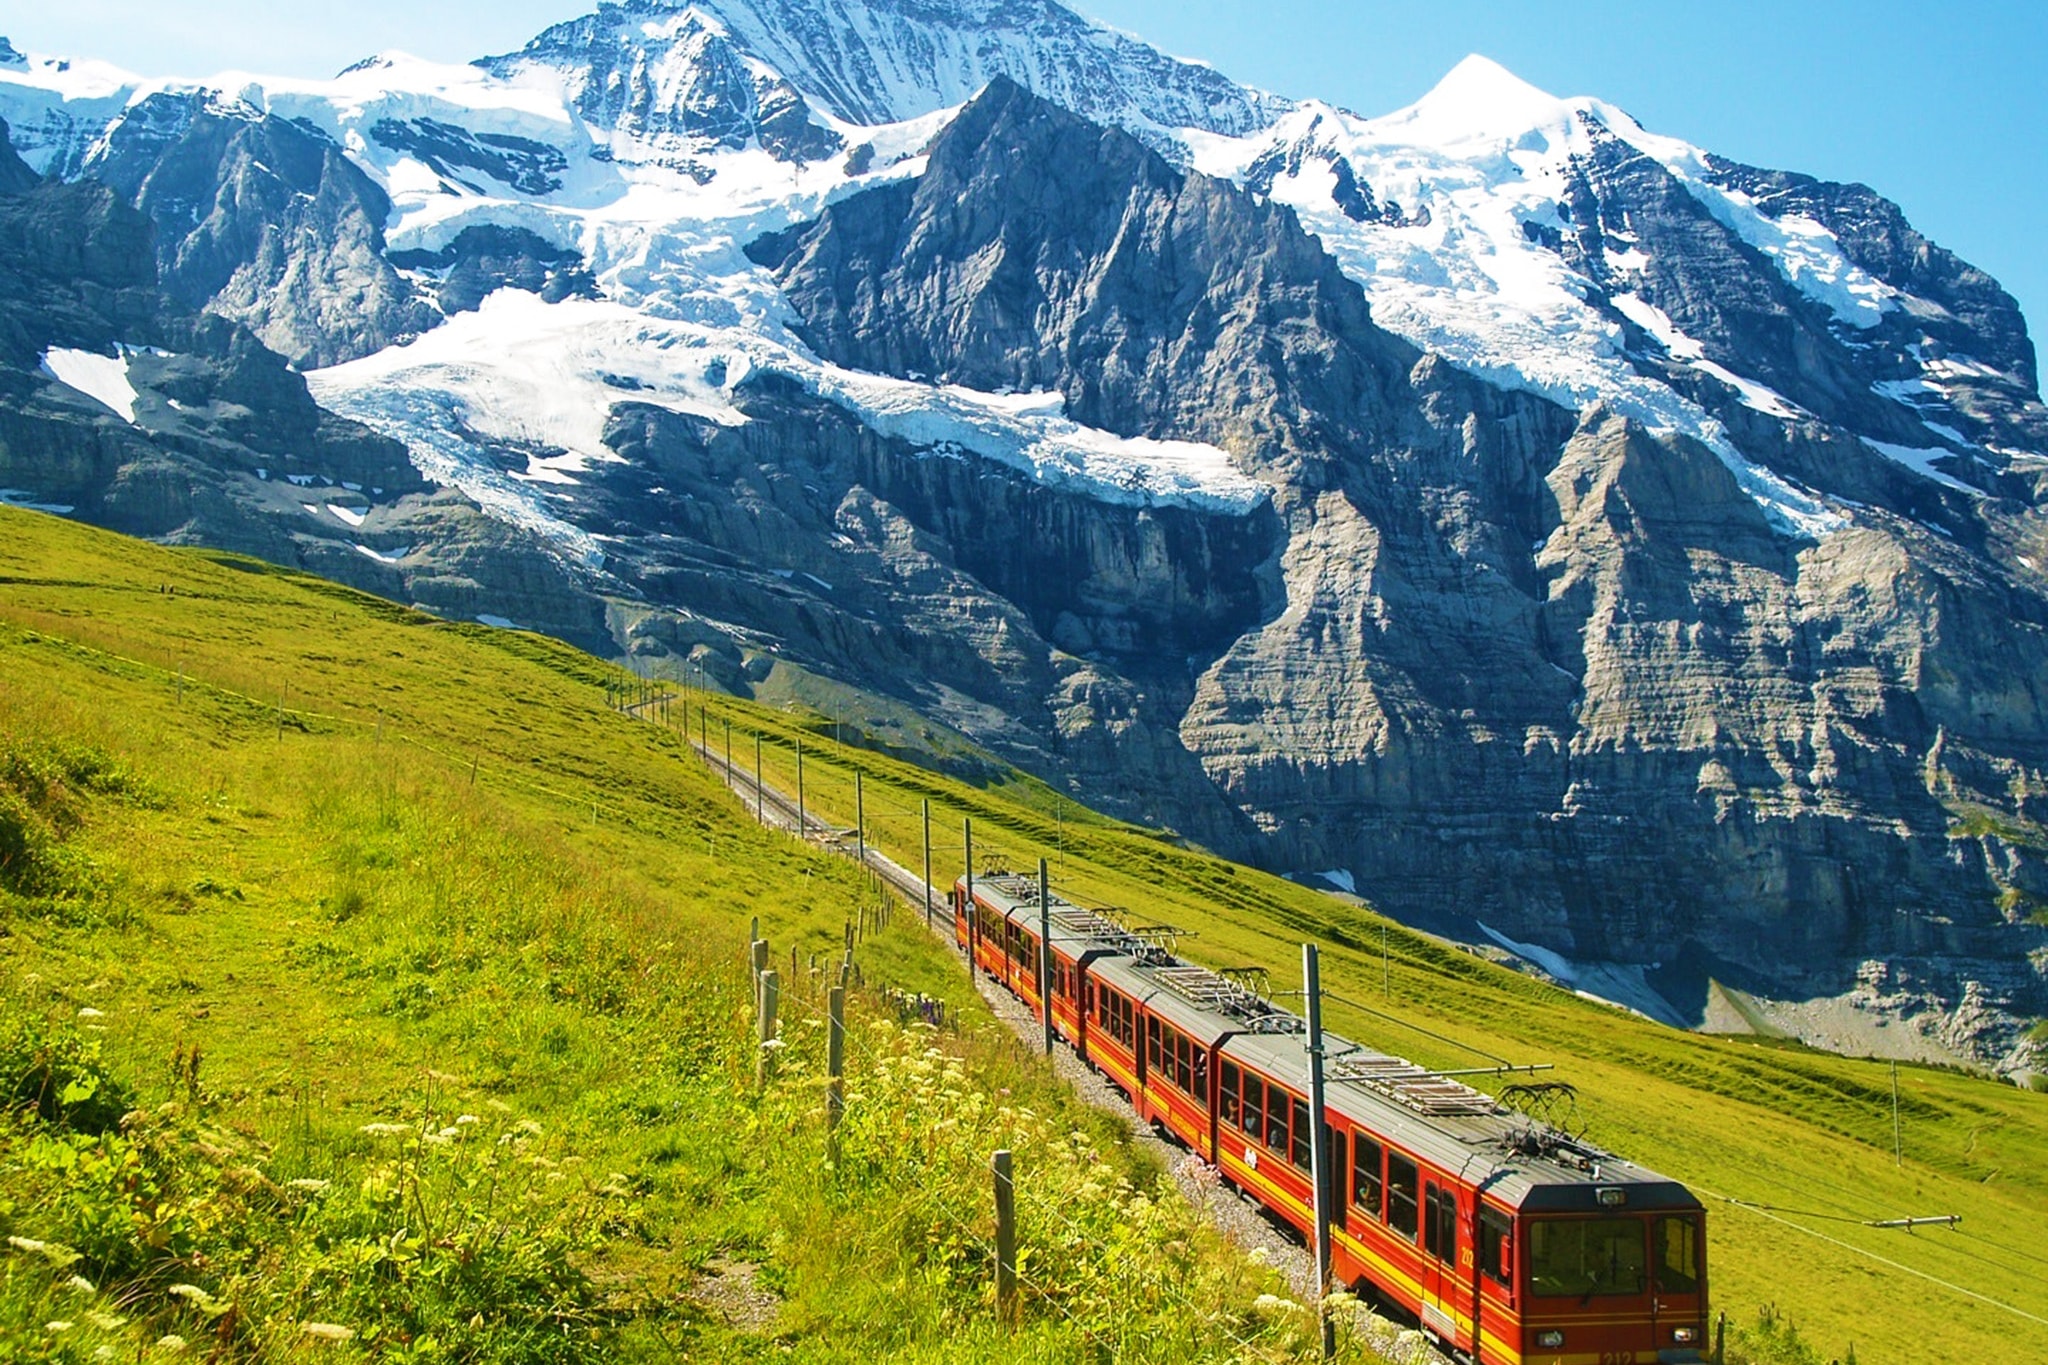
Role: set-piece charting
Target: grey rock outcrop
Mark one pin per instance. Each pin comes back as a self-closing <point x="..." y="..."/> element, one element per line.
<point x="669" y="85"/>
<point x="224" y="446"/>
<point x="263" y="221"/>
<point x="1556" y="676"/>
<point x="486" y="258"/>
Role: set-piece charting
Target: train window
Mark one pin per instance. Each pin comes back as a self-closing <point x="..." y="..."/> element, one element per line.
<point x="1254" y="1107"/>
<point x="1496" y="1247"/>
<point x="1677" y="1242"/>
<point x="1227" y="1101"/>
<point x="1440" y="1224"/>
<point x="1582" y="1257"/>
<point x="1365" y="1174"/>
<point x="1151" y="1044"/>
<point x="1276" y="1118"/>
<point x="1201" y="1077"/>
<point x="1184" y="1063"/>
<point x="1299" y="1152"/>
<point x="1401" y="1195"/>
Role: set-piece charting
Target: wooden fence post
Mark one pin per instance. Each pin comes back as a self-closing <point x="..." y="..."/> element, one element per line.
<point x="1006" y="1240"/>
<point x="835" y="1071"/>
<point x="771" y="996"/>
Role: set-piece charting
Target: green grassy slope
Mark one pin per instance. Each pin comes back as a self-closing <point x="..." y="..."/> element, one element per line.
<point x="369" y="990"/>
<point x="549" y="932"/>
<point x="1746" y="1122"/>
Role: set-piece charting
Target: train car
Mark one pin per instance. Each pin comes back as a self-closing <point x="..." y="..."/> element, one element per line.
<point x="999" y="929"/>
<point x="1508" y="1241"/>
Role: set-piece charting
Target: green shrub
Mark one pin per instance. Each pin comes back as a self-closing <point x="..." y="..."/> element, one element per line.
<point x="55" y="1076"/>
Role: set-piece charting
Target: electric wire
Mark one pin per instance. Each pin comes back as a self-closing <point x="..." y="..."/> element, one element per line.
<point x="1771" y="1212"/>
<point x="1881" y="1260"/>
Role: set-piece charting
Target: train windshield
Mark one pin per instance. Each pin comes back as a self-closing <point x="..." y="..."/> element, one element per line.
<point x="1584" y="1257"/>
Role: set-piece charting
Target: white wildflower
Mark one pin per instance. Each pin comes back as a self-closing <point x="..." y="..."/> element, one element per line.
<point x="171" y="1341"/>
<point x="1273" y="1303"/>
<point x="308" y="1184"/>
<point x="466" y="1119"/>
<point x="191" y="1293"/>
<point x="1260" y="1256"/>
<point x="385" y="1129"/>
<point x="28" y="1244"/>
<point x="81" y="1284"/>
<point x="59" y="1326"/>
<point x="328" y="1331"/>
<point x="88" y="1012"/>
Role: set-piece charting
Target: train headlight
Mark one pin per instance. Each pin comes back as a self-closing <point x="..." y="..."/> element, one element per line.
<point x="1612" y="1199"/>
<point x="1551" y="1340"/>
<point x="1685" y="1336"/>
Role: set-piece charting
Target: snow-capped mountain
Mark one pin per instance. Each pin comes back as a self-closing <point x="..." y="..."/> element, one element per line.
<point x="652" y="67"/>
<point x="1541" y="519"/>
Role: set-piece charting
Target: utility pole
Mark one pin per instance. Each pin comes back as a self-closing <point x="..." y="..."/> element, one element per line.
<point x="973" y="920"/>
<point x="1045" y="952"/>
<point x="1319" y="1147"/>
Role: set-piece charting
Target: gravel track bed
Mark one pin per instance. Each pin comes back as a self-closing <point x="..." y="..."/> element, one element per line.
<point x="1241" y="1220"/>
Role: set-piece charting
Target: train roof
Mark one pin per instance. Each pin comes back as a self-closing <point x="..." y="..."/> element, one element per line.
<point x="1517" y="1160"/>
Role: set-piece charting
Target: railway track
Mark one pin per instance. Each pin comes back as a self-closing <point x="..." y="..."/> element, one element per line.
<point x="1241" y="1220"/>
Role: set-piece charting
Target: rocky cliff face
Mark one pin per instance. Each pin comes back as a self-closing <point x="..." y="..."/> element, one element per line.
<point x="263" y="221"/>
<point x="1585" y="543"/>
<point x="1564" y="679"/>
<point x="119" y="405"/>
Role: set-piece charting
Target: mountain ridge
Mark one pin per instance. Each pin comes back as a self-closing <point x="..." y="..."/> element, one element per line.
<point x="1516" y="511"/>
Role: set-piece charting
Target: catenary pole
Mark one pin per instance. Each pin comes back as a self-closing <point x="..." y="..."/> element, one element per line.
<point x="1319" y="1147"/>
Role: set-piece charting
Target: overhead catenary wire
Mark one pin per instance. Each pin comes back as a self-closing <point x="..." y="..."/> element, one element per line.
<point x="1770" y="1212"/>
<point x="1851" y="1247"/>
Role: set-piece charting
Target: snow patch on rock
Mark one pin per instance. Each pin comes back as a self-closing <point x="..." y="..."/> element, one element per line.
<point x="102" y="378"/>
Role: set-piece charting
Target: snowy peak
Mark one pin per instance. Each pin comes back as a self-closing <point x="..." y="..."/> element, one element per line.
<point x="872" y="62"/>
<point x="1479" y="100"/>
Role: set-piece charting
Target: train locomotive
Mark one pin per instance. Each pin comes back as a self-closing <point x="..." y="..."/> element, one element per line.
<point x="1508" y="1241"/>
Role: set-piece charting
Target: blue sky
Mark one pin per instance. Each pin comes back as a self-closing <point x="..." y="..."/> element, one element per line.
<point x="1943" y="108"/>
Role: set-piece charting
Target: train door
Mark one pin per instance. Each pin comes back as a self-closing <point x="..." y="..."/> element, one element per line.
<point x="1440" y="1263"/>
<point x="1084" y="1009"/>
<point x="1678" y="1303"/>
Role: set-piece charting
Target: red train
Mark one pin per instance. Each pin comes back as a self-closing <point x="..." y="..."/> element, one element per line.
<point x="1508" y="1241"/>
